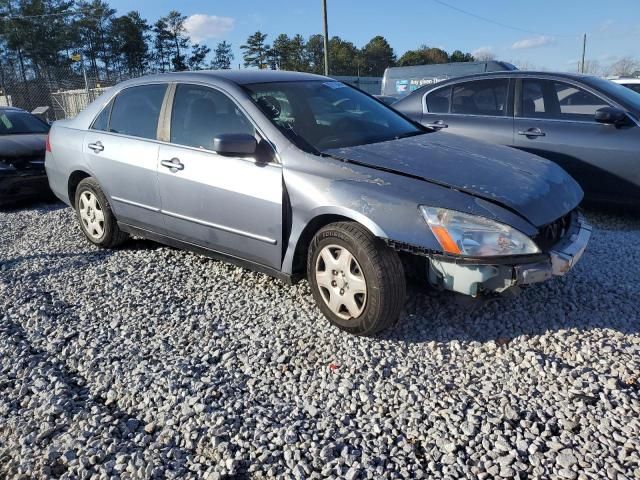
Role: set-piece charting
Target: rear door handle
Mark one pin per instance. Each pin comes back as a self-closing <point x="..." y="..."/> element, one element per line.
<point x="97" y="147"/>
<point x="438" y="124"/>
<point x="174" y="164"/>
<point x="532" y="132"/>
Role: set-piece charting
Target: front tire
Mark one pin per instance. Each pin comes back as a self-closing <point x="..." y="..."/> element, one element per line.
<point x="357" y="281"/>
<point x="96" y="219"/>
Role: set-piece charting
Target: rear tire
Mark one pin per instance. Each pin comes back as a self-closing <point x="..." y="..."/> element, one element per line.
<point x="357" y="281"/>
<point x="94" y="214"/>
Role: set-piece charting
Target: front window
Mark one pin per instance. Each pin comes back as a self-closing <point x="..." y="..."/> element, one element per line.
<point x="319" y="115"/>
<point x="558" y="100"/>
<point x="15" y="122"/>
<point x="200" y="114"/>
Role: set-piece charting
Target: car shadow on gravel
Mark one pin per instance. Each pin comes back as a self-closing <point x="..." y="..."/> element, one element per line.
<point x="444" y="317"/>
<point x="43" y="204"/>
<point x="71" y="390"/>
<point x="56" y="262"/>
<point x="613" y="217"/>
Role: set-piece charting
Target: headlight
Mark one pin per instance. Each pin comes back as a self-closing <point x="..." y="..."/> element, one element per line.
<point x="475" y="236"/>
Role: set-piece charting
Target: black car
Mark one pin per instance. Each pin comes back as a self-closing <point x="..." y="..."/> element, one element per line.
<point x="23" y="139"/>
<point x="587" y="125"/>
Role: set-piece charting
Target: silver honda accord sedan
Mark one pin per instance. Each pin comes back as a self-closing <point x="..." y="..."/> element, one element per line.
<point x="298" y="175"/>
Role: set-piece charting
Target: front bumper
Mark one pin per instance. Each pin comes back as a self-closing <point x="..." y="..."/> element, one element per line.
<point x="476" y="277"/>
<point x="16" y="186"/>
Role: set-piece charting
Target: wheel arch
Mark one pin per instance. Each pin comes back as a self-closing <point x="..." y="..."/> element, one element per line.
<point x="72" y="184"/>
<point x="295" y="263"/>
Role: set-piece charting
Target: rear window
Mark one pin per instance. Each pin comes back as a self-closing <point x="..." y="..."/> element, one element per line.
<point x="15" y="122"/>
<point x="480" y="97"/>
<point x="438" y="101"/>
<point x="136" y="111"/>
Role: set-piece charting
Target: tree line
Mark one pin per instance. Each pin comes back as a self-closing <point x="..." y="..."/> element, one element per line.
<point x="296" y="53"/>
<point x="53" y="39"/>
<point x="48" y="39"/>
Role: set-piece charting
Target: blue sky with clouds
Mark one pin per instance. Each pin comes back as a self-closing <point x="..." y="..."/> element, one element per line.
<point x="544" y="33"/>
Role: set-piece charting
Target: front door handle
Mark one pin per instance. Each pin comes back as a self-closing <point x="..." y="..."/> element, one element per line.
<point x="438" y="124"/>
<point x="174" y="164"/>
<point x="97" y="147"/>
<point x="532" y="132"/>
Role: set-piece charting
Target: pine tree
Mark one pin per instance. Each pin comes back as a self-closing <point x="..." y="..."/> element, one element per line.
<point x="256" y="52"/>
<point x="223" y="56"/>
<point x="198" y="55"/>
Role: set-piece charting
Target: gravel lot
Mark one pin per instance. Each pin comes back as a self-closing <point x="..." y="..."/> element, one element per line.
<point x="153" y="362"/>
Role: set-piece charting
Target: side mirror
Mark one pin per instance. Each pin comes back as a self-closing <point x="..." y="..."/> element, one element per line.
<point x="235" y="144"/>
<point x="611" y="116"/>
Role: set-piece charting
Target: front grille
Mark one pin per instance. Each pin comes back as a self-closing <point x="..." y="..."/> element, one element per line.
<point x="553" y="232"/>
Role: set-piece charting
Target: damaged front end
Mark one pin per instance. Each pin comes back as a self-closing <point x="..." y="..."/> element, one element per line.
<point x="558" y="247"/>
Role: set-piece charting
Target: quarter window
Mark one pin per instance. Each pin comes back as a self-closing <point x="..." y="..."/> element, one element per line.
<point x="102" y="121"/>
<point x="136" y="111"/>
<point x="481" y="97"/>
<point x="200" y="114"/>
<point x="438" y="101"/>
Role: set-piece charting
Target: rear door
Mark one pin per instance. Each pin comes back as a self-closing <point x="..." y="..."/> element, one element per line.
<point x="122" y="150"/>
<point x="555" y="119"/>
<point x="478" y="109"/>
<point x="231" y="204"/>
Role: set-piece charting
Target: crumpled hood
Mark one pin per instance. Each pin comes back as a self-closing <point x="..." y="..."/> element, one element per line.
<point x="19" y="149"/>
<point x="535" y="188"/>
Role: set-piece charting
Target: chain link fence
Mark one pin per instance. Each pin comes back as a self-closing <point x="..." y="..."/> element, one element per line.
<point x="57" y="95"/>
<point x="65" y="94"/>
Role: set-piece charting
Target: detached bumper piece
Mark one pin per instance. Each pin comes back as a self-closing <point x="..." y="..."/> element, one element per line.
<point x="477" y="277"/>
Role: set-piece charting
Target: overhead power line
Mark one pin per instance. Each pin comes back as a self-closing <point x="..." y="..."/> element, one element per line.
<point x="500" y="24"/>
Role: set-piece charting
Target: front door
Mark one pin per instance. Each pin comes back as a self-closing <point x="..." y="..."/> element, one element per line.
<point x="231" y="204"/>
<point x="122" y="152"/>
<point x="556" y="120"/>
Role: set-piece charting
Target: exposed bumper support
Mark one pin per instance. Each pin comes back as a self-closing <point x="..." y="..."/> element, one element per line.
<point x="472" y="279"/>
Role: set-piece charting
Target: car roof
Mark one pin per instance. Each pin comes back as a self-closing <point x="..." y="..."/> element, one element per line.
<point x="505" y="73"/>
<point x="626" y="80"/>
<point x="239" y="77"/>
<point x="516" y="73"/>
<point x="11" y="109"/>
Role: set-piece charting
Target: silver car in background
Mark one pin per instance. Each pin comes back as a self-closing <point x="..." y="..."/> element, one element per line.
<point x="587" y="125"/>
<point x="297" y="175"/>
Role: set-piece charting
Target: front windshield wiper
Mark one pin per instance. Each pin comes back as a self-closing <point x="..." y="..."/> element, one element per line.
<point x="410" y="134"/>
<point x="288" y="130"/>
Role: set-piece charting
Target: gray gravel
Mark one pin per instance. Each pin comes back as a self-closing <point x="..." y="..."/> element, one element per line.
<point x="153" y="362"/>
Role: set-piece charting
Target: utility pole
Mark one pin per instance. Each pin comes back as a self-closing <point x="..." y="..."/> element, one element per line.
<point x="584" y="49"/>
<point x="84" y="74"/>
<point x="326" y="38"/>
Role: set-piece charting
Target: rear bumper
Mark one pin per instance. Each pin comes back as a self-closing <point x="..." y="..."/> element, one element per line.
<point x="16" y="186"/>
<point x="473" y="279"/>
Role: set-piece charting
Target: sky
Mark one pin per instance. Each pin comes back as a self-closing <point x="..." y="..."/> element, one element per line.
<point x="542" y="34"/>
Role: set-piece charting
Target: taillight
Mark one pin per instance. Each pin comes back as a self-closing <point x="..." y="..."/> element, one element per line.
<point x="47" y="144"/>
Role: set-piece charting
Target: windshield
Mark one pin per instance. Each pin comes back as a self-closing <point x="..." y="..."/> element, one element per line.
<point x="14" y="122"/>
<point x="319" y="115"/>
